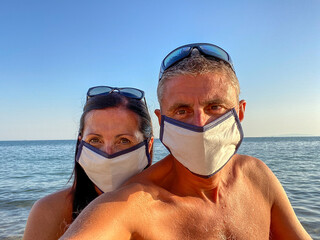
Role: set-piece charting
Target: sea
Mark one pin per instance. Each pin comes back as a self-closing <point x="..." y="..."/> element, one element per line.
<point x="30" y="170"/>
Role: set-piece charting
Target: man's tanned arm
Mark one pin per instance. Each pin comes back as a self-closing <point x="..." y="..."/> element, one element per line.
<point x="284" y="222"/>
<point x="107" y="217"/>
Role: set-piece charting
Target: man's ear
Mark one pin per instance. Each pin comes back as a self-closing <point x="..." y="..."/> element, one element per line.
<point x="158" y="113"/>
<point x="150" y="144"/>
<point x="242" y="109"/>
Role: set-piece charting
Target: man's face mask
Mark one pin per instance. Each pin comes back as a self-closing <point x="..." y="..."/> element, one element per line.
<point x="202" y="150"/>
<point x="108" y="172"/>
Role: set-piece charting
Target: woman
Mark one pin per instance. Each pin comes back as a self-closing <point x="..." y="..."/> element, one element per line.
<point x="115" y="142"/>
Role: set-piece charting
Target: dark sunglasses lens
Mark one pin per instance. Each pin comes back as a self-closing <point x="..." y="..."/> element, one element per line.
<point x="176" y="56"/>
<point x="98" y="91"/>
<point x="132" y="93"/>
<point x="215" y="52"/>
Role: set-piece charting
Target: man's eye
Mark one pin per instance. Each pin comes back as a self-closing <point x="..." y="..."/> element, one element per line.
<point x="216" y="108"/>
<point x="181" y="111"/>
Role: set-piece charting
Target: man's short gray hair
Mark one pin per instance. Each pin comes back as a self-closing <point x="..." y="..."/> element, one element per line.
<point x="198" y="64"/>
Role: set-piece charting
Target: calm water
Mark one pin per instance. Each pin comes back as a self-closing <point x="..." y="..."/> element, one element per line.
<point x="32" y="169"/>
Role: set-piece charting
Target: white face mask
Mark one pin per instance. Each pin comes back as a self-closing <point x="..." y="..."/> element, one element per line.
<point x="108" y="172"/>
<point x="202" y="150"/>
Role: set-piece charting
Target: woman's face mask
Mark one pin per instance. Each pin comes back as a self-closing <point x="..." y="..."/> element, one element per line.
<point x="108" y="172"/>
<point x="202" y="150"/>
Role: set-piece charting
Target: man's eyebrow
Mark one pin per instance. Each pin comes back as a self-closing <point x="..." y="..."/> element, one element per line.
<point x="178" y="105"/>
<point x="216" y="101"/>
<point x="219" y="101"/>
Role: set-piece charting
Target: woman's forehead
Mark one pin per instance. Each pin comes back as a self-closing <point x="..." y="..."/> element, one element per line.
<point x="111" y="118"/>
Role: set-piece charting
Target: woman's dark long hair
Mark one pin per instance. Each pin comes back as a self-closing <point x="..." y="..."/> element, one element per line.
<point x="83" y="190"/>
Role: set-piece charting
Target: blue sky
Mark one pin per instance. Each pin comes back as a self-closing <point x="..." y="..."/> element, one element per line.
<point x="51" y="52"/>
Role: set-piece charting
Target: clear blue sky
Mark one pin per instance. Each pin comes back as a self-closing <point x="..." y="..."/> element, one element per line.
<point x="51" y="52"/>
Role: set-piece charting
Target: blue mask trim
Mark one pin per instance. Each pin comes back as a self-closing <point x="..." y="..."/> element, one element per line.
<point x="98" y="151"/>
<point x="194" y="128"/>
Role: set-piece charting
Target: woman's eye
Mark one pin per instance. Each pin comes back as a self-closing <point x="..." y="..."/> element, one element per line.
<point x="125" y="141"/>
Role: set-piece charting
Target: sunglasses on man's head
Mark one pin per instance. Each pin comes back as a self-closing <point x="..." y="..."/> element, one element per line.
<point x="105" y="90"/>
<point x="206" y="49"/>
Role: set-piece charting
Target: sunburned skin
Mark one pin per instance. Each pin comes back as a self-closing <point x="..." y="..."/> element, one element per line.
<point x="244" y="200"/>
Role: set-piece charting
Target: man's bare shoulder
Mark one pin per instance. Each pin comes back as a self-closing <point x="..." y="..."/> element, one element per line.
<point x="250" y="166"/>
<point x="154" y="174"/>
<point x="256" y="172"/>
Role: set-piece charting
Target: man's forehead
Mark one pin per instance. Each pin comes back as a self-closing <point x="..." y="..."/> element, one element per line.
<point x="208" y="80"/>
<point x="203" y="89"/>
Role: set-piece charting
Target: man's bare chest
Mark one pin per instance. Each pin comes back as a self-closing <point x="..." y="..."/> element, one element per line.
<point x="200" y="220"/>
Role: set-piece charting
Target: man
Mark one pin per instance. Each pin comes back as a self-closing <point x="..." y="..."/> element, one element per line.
<point x="202" y="190"/>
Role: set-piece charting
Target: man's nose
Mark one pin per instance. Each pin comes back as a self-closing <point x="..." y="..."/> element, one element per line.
<point x="200" y="118"/>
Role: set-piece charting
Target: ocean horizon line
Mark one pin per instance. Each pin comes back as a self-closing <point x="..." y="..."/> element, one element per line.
<point x="276" y="136"/>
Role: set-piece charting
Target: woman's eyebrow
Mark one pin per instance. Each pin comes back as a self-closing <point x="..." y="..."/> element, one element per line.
<point x="124" y="134"/>
<point x="95" y="134"/>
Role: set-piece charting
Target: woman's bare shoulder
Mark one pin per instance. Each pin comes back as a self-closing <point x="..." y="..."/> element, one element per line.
<point x="49" y="215"/>
<point x="57" y="200"/>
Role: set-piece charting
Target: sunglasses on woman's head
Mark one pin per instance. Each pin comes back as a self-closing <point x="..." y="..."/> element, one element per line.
<point x="105" y="90"/>
<point x="206" y="49"/>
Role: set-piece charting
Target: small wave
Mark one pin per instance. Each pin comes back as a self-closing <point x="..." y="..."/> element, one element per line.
<point x="12" y="238"/>
<point x="6" y="205"/>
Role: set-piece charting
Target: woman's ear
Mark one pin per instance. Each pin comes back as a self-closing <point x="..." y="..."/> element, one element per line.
<point x="79" y="137"/>
<point x="150" y="143"/>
